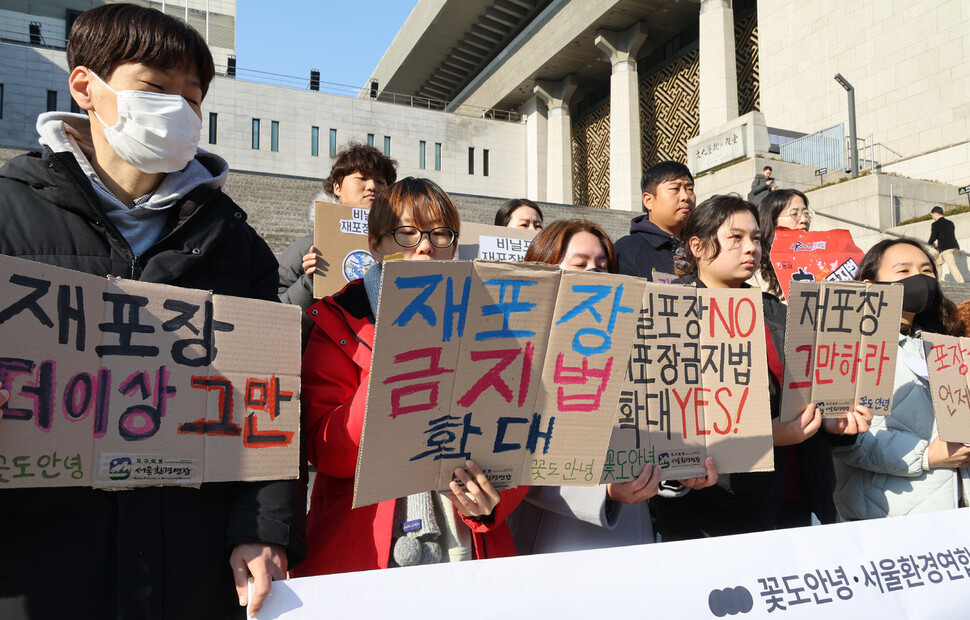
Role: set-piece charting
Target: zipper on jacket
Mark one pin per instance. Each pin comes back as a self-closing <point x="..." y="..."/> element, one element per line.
<point x="191" y="218"/>
<point x="103" y="218"/>
<point x="134" y="262"/>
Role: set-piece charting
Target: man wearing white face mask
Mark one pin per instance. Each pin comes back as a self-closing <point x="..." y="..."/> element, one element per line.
<point x="123" y="190"/>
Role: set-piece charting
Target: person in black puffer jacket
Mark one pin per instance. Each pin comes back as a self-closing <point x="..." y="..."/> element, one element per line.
<point x="112" y="194"/>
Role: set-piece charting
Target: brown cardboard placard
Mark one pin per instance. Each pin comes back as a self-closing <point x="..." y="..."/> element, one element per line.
<point x="119" y="383"/>
<point x="948" y="361"/>
<point x="498" y="243"/>
<point x="840" y="347"/>
<point x="696" y="386"/>
<point x="514" y="366"/>
<point x="340" y="237"/>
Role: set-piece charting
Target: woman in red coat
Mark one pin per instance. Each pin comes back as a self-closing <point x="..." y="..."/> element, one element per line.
<point x="416" y="219"/>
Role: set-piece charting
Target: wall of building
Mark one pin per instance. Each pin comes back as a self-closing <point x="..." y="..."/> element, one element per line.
<point x="237" y="103"/>
<point x="27" y="73"/>
<point x="909" y="61"/>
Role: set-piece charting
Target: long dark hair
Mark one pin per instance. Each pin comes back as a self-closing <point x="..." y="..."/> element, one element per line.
<point x="771" y="207"/>
<point x="704" y="222"/>
<point x="941" y="317"/>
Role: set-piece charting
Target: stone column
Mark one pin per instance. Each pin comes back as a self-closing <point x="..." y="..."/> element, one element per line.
<point x="625" y="161"/>
<point x="559" y="171"/>
<point x="718" y="69"/>
<point x="536" y="148"/>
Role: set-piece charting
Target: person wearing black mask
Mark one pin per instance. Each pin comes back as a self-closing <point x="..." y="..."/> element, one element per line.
<point x="901" y="466"/>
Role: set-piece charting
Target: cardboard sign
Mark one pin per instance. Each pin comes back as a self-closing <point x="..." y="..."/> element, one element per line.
<point x="840" y="347"/>
<point x="517" y="367"/>
<point x="119" y="383"/>
<point x="340" y="237"/>
<point x="660" y="277"/>
<point x="696" y="386"/>
<point x="494" y="242"/>
<point x="824" y="256"/>
<point x="948" y="360"/>
<point x="915" y="566"/>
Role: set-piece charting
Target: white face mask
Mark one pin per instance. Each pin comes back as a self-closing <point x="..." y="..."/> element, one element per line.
<point x="155" y="132"/>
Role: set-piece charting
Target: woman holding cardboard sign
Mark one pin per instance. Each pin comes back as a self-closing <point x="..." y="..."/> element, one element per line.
<point x="415" y="220"/>
<point x="722" y="250"/>
<point x="901" y="466"/>
<point x="553" y="519"/>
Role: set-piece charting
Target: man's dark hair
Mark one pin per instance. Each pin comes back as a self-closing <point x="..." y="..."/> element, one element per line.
<point x="937" y="209"/>
<point x="768" y="168"/>
<point x="661" y="173"/>
<point x="367" y="160"/>
<point x="115" y="34"/>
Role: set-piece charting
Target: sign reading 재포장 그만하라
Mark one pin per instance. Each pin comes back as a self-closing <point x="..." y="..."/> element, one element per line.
<point x="118" y="383"/>
<point x="515" y="366"/>
<point x="947" y="361"/>
<point x="840" y="348"/>
<point x="487" y="242"/>
<point x="340" y="238"/>
<point x="696" y="386"/>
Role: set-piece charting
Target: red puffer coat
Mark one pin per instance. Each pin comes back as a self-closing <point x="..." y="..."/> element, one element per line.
<point x="336" y="366"/>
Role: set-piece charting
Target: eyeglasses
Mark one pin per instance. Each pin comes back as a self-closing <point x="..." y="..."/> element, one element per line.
<point x="410" y="236"/>
<point x="796" y="214"/>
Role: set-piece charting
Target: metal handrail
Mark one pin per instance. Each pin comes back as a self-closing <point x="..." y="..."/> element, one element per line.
<point x="334" y="88"/>
<point x="874" y="228"/>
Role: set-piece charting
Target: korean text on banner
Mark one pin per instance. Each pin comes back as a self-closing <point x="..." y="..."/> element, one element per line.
<point x="696" y="386"/>
<point x="948" y="360"/>
<point x="840" y="348"/>
<point x="517" y="367"/>
<point x="340" y="237"/>
<point x="494" y="242"/>
<point x="118" y="383"/>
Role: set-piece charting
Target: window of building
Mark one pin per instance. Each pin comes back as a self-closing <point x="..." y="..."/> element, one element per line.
<point x="333" y="143"/>
<point x="387" y="145"/>
<point x="471" y="160"/>
<point x="370" y="139"/>
<point x="34" y="31"/>
<point x="213" y="127"/>
<point x="484" y="162"/>
<point x="437" y="156"/>
<point x="314" y="141"/>
<point x="421" y="149"/>
<point x="274" y="136"/>
<point x="255" y="133"/>
<point x="51" y="100"/>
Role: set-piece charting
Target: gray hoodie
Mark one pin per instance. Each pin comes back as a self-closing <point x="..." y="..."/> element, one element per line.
<point x="143" y="222"/>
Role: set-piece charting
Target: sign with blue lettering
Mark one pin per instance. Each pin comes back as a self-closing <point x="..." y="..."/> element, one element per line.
<point x="517" y="367"/>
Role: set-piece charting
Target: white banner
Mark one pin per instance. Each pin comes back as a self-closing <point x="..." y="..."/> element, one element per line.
<point x="905" y="567"/>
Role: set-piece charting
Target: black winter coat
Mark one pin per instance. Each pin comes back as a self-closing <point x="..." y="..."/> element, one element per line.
<point x="159" y="552"/>
<point x="645" y="249"/>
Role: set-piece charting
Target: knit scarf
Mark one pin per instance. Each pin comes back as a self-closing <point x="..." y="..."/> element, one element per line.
<point x="415" y="530"/>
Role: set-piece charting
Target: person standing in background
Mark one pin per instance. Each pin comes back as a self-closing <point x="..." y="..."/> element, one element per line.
<point x="943" y="238"/>
<point x="761" y="186"/>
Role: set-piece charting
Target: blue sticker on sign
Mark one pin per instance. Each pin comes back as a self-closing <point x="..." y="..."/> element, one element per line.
<point x="410" y="526"/>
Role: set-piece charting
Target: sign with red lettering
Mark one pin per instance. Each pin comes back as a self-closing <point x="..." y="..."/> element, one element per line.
<point x="840" y="349"/>
<point x="696" y="385"/>
<point x="948" y="362"/>
<point x="118" y="383"/>
<point x="517" y="367"/>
